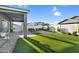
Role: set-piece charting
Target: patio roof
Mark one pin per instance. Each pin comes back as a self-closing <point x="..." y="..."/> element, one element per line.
<point x="13" y="13"/>
<point x="10" y="9"/>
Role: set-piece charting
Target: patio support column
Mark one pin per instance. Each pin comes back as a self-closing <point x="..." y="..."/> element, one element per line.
<point x="25" y="25"/>
<point x="11" y="26"/>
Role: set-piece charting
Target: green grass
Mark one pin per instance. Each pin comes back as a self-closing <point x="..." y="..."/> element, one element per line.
<point x="33" y="45"/>
<point x="61" y="37"/>
<point x="23" y="47"/>
<point x="55" y="45"/>
<point x="40" y="45"/>
<point x="59" y="42"/>
<point x="49" y="43"/>
<point x="65" y="37"/>
<point x="68" y="38"/>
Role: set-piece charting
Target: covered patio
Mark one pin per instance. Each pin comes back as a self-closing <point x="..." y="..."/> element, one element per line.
<point x="9" y="15"/>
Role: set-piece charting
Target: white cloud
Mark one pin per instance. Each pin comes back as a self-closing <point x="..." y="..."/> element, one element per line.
<point x="55" y="8"/>
<point x="57" y="13"/>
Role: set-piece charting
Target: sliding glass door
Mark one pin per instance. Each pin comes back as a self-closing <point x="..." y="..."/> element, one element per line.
<point x="4" y="26"/>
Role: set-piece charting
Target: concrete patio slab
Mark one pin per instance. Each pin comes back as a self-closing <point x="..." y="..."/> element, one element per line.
<point x="10" y="44"/>
<point x="2" y="42"/>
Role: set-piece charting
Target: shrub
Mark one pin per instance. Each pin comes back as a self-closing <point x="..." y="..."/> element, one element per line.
<point x="69" y="33"/>
<point x="64" y="32"/>
<point x="58" y="29"/>
<point x="45" y="28"/>
<point x="75" y="33"/>
<point x="30" y="29"/>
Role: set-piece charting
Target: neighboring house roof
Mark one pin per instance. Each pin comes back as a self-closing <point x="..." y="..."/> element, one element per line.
<point x="62" y="21"/>
<point x="75" y="17"/>
<point x="72" y="20"/>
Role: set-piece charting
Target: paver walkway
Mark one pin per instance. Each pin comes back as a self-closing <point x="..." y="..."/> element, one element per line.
<point x="7" y="46"/>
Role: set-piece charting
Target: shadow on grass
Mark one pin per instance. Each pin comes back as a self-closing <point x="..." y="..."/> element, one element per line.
<point x="40" y="34"/>
<point x="23" y="47"/>
<point x="41" y="46"/>
<point x="74" y="49"/>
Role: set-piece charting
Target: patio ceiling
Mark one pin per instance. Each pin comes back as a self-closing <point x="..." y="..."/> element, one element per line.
<point x="15" y="17"/>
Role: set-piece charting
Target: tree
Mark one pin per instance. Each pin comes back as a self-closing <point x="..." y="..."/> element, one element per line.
<point x="58" y="29"/>
<point x="47" y="25"/>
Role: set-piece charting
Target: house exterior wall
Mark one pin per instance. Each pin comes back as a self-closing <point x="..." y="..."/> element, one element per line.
<point x="38" y="26"/>
<point x="51" y="29"/>
<point x="34" y="27"/>
<point x="69" y="27"/>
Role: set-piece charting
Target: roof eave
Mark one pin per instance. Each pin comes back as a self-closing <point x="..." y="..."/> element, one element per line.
<point x="14" y="9"/>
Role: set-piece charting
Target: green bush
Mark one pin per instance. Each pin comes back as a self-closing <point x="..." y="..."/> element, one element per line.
<point x="69" y="34"/>
<point x="75" y="33"/>
<point x="58" y="29"/>
<point x="31" y="29"/>
<point x="47" y="27"/>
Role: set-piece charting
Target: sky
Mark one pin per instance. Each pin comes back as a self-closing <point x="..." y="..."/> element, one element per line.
<point x="51" y="14"/>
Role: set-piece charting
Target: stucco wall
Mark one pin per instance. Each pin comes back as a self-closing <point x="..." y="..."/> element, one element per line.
<point x="35" y="27"/>
<point x="52" y="29"/>
<point x="70" y="27"/>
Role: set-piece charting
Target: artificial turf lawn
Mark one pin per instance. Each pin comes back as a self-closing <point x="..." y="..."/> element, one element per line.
<point x="23" y="47"/>
<point x="68" y="38"/>
<point x="59" y="42"/>
<point x="65" y="37"/>
<point x="43" y="47"/>
<point x="50" y="43"/>
<point x="55" y="45"/>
